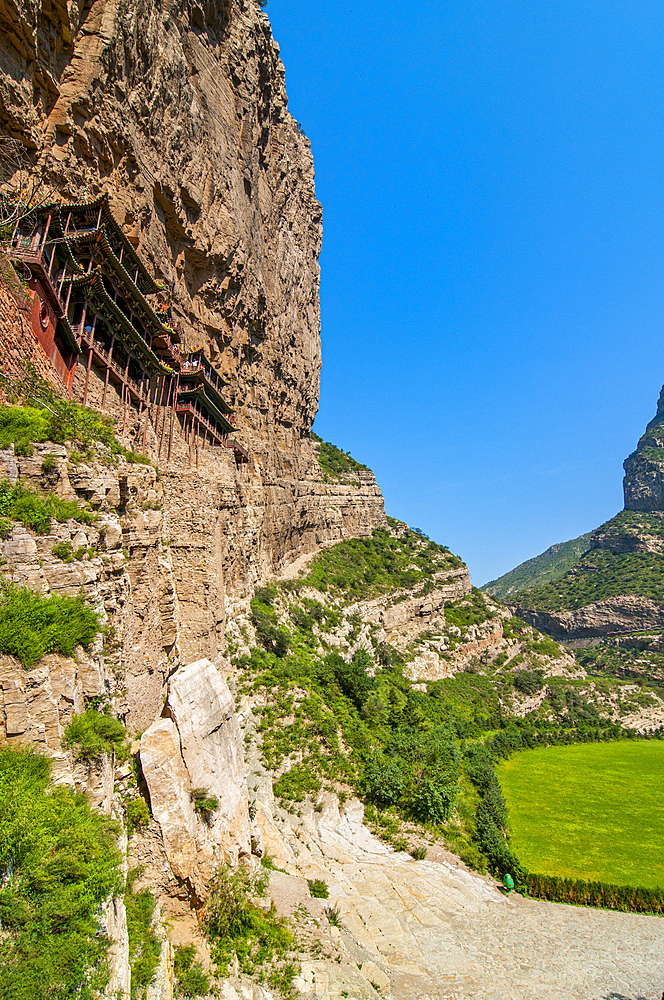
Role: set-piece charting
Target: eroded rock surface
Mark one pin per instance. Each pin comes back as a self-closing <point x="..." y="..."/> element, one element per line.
<point x="197" y="746"/>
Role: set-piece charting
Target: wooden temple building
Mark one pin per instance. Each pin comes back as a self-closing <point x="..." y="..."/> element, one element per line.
<point x="96" y="305"/>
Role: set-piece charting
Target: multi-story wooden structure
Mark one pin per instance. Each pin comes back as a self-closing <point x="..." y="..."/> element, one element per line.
<point x="97" y="305"/>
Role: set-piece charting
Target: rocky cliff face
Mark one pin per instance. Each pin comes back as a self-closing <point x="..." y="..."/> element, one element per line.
<point x="179" y="112"/>
<point x="644" y="469"/>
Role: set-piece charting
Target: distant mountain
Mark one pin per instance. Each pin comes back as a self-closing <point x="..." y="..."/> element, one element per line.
<point x="617" y="585"/>
<point x="539" y="570"/>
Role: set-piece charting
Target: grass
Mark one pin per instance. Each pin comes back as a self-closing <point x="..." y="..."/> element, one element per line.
<point x="36" y="510"/>
<point x="94" y="734"/>
<point x="144" y="945"/>
<point x="39" y="414"/>
<point x="590" y="811"/>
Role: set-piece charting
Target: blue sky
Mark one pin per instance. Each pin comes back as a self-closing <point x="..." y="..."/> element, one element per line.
<point x="492" y="294"/>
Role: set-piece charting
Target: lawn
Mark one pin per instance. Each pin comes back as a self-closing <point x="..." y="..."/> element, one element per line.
<point x="592" y="811"/>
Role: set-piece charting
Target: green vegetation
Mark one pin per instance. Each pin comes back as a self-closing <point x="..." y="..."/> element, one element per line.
<point x="335" y="463"/>
<point x="470" y="610"/>
<point x="190" y="978"/>
<point x="238" y="926"/>
<point x="591" y="811"/>
<point x="365" y="567"/>
<point x="40" y="415"/>
<point x="31" y="626"/>
<point x="35" y="510"/>
<point x="631" y="522"/>
<point x="59" y="863"/>
<point x="606" y="896"/>
<point x="539" y="570"/>
<point x="144" y="945"/>
<point x="204" y="803"/>
<point x="600" y="574"/>
<point x="94" y="734"/>
<point x="138" y="815"/>
<point x="318" y="888"/>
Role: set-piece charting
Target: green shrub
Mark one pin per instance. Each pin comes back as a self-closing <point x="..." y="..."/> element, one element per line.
<point x="598" y="575"/>
<point x="36" y="510"/>
<point x="600" y="894"/>
<point x="236" y="925"/>
<point x="365" y="567"/>
<point x="299" y="781"/>
<point x="333" y="916"/>
<point x="60" y="863"/>
<point x="318" y="888"/>
<point x="144" y="945"/>
<point x="266" y="595"/>
<point x="204" y="803"/>
<point x="49" y="465"/>
<point x="469" y="610"/>
<point x="31" y="625"/>
<point x="95" y="734"/>
<point x="138" y="815"/>
<point x="22" y="426"/>
<point x="528" y="681"/>
<point x="274" y="639"/>
<point x="418" y="853"/>
<point x="190" y="979"/>
<point x="64" y="551"/>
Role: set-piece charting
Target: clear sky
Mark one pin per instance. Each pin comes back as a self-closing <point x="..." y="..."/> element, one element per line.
<point x="492" y="293"/>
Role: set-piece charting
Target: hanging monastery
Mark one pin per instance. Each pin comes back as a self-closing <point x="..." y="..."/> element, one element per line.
<point x="95" y="306"/>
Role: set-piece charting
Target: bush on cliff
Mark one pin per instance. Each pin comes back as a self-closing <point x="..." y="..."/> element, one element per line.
<point x="59" y="863"/>
<point x="238" y="926"/>
<point x="31" y="625"/>
<point x="95" y="733"/>
<point x="144" y="945"/>
<point x="36" y="510"/>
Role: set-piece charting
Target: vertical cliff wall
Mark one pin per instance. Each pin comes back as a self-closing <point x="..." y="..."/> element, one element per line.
<point x="178" y="112"/>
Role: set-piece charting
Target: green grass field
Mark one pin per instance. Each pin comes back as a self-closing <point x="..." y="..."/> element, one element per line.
<point x="592" y="811"/>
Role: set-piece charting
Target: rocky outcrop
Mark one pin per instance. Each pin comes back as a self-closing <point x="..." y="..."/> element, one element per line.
<point x="401" y="616"/>
<point x="644" y="469"/>
<point x="627" y="613"/>
<point x="197" y="746"/>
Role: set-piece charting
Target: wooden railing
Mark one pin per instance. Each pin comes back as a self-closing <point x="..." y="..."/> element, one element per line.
<point x="182" y="407"/>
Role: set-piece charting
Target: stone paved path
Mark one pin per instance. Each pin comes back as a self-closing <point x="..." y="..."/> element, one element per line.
<point x="432" y="931"/>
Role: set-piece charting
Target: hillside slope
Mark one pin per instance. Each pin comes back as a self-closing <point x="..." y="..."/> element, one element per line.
<point x="539" y="570"/>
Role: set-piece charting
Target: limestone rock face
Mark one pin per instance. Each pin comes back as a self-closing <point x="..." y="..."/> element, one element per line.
<point x="197" y="746"/>
<point x="627" y="613"/>
<point x="644" y="469"/>
<point x="179" y="112"/>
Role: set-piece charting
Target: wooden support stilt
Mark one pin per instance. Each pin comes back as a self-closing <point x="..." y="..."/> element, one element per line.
<point x="196" y="436"/>
<point x="145" y="429"/>
<point x="174" y="400"/>
<point x="103" y="398"/>
<point x="87" y="376"/>
<point x="169" y="395"/>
